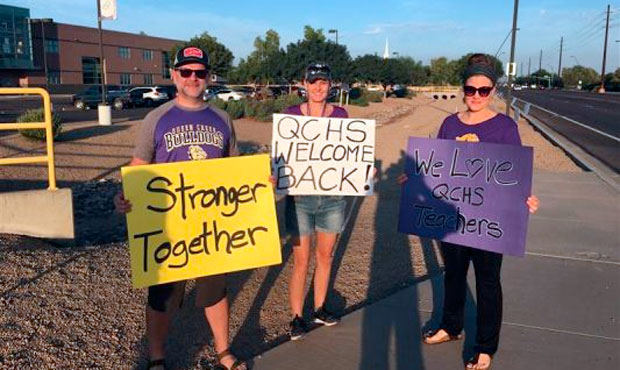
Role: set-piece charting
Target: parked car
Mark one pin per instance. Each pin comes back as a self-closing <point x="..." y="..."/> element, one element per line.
<point x="216" y="88"/>
<point x="228" y="95"/>
<point x="136" y="99"/>
<point x="116" y="96"/>
<point x="171" y="90"/>
<point x="247" y="91"/>
<point x="152" y="95"/>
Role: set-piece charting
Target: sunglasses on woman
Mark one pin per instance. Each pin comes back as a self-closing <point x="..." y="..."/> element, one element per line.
<point x="483" y="91"/>
<point x="187" y="73"/>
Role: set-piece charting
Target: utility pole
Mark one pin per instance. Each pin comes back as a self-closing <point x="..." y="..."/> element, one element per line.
<point x="540" y="61"/>
<point x="103" y="97"/>
<point x="529" y="71"/>
<point x="602" y="88"/>
<point x="560" y="63"/>
<point x="521" y="74"/>
<point x="512" y="55"/>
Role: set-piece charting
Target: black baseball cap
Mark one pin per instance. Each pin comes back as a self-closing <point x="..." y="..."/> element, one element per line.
<point x="191" y="54"/>
<point x="317" y="71"/>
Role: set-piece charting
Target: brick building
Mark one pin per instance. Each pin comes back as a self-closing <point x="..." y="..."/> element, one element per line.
<point x="72" y="55"/>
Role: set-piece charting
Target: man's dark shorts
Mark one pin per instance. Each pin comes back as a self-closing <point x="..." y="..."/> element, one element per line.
<point x="168" y="297"/>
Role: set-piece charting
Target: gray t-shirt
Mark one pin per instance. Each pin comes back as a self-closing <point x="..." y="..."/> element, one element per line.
<point x="172" y="133"/>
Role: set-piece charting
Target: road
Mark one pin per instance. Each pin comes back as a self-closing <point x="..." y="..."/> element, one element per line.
<point x="11" y="108"/>
<point x="601" y="113"/>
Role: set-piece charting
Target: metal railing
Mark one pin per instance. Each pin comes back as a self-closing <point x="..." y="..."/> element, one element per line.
<point x="46" y="124"/>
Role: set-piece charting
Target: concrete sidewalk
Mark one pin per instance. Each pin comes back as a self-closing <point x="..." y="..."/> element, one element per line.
<point x="561" y="302"/>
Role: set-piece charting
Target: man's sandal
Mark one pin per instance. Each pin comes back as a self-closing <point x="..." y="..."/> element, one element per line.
<point x="473" y="361"/>
<point x="448" y="338"/>
<point x="237" y="365"/>
<point x="156" y="364"/>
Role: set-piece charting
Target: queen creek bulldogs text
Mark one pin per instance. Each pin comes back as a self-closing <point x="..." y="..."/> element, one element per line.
<point x="190" y="134"/>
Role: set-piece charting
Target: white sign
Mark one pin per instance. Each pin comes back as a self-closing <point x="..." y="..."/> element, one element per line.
<point x="323" y="156"/>
<point x="511" y="69"/>
<point x="108" y="9"/>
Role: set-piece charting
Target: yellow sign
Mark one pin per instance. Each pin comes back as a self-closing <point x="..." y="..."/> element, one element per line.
<point x="199" y="218"/>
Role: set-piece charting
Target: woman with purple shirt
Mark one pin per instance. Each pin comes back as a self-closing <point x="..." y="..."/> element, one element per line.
<point x="305" y="215"/>
<point x="479" y="123"/>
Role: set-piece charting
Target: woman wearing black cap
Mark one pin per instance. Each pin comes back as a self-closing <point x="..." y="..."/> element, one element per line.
<point x="306" y="215"/>
<point x="479" y="123"/>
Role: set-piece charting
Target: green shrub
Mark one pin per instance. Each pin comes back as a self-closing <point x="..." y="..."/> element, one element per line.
<point x="362" y="101"/>
<point x="266" y="109"/>
<point x="287" y="100"/>
<point x="36" y="115"/>
<point x="250" y="108"/>
<point x="219" y="103"/>
<point x="374" y="96"/>
<point x="236" y="108"/>
<point x="355" y="93"/>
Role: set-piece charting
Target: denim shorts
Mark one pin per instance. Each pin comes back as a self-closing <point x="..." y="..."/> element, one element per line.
<point x="306" y="213"/>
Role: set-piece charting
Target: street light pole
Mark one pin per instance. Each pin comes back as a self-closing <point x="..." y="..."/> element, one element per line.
<point x="103" y="97"/>
<point x="560" y="63"/>
<point x="336" y="32"/>
<point x="512" y="55"/>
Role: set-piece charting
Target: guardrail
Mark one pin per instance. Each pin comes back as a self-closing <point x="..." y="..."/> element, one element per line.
<point x="46" y="124"/>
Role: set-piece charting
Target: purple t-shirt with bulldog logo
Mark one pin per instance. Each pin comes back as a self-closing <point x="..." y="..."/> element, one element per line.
<point x="172" y="133"/>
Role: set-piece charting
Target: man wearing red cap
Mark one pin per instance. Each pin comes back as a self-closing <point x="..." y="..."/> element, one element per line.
<point x="185" y="129"/>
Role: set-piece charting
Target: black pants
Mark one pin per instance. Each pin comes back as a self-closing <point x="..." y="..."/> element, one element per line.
<point x="487" y="266"/>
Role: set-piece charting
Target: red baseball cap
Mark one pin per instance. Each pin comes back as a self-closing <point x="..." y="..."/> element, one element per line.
<point x="191" y="54"/>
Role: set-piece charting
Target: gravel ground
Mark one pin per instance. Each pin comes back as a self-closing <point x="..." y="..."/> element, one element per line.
<point x="74" y="308"/>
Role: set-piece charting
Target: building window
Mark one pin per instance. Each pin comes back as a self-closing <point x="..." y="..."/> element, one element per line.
<point x="51" y="46"/>
<point x="147" y="54"/>
<point x="125" y="79"/>
<point x="148" y="79"/>
<point x="53" y="77"/>
<point x="124" y="52"/>
<point x="91" y="70"/>
<point x="165" y="65"/>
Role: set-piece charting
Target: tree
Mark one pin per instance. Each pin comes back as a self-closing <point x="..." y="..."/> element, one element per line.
<point x="311" y="34"/>
<point x="220" y="58"/>
<point x="265" y="64"/>
<point x="368" y="68"/>
<point x="418" y="73"/>
<point x="312" y="49"/>
<point x="573" y="75"/>
<point x="442" y="71"/>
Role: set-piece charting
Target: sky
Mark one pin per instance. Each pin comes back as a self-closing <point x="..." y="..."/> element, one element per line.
<point x="421" y="29"/>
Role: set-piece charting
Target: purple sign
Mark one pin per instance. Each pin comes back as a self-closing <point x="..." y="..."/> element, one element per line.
<point x="471" y="194"/>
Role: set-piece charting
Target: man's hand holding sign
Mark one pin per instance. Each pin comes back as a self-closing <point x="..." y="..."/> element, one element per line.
<point x="186" y="223"/>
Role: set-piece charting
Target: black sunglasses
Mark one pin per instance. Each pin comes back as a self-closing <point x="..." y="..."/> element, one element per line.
<point x="187" y="73"/>
<point x="483" y="91"/>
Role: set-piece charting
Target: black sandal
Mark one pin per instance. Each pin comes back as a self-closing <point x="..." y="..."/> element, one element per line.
<point x="430" y="333"/>
<point x="473" y="361"/>
<point x="156" y="363"/>
<point x="237" y="365"/>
